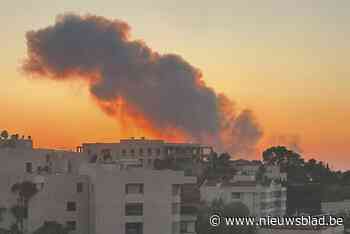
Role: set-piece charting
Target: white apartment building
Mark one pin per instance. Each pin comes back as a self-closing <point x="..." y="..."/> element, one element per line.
<point x="114" y="197"/>
<point x="260" y="200"/>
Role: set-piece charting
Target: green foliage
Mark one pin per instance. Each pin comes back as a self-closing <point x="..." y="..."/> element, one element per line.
<point x="19" y="212"/>
<point x="335" y="185"/>
<point x="51" y="228"/>
<point x="14" y="229"/>
<point x="280" y="155"/>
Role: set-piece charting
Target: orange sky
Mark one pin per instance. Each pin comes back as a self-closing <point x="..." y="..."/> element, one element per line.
<point x="290" y="66"/>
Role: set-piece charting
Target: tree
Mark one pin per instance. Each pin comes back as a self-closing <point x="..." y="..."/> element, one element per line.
<point x="280" y="155"/>
<point x="4" y="134"/>
<point x="51" y="228"/>
<point x="24" y="191"/>
<point x="289" y="161"/>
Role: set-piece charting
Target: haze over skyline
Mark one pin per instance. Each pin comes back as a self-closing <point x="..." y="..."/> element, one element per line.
<point x="286" y="61"/>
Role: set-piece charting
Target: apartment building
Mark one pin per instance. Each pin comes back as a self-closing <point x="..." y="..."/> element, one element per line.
<point x="261" y="200"/>
<point x="36" y="161"/>
<point x="252" y="167"/>
<point x="135" y="200"/>
<point x="146" y="150"/>
<point x="103" y="197"/>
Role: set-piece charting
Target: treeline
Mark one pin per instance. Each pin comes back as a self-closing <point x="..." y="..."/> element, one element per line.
<point x="8" y="140"/>
<point x="334" y="184"/>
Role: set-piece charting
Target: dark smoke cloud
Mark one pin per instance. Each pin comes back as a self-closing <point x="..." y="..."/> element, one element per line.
<point x="166" y="89"/>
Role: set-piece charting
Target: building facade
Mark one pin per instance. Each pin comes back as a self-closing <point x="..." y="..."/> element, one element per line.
<point x="261" y="200"/>
<point x="145" y="150"/>
<point x="135" y="200"/>
<point x="116" y="196"/>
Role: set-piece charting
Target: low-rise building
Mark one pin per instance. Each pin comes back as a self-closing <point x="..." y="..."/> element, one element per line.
<point x="252" y="168"/>
<point x="261" y="200"/>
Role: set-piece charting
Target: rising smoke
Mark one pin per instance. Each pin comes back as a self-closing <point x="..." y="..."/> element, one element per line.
<point x="160" y="93"/>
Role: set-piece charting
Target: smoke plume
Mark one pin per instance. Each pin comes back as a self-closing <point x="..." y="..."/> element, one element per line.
<point x="153" y="94"/>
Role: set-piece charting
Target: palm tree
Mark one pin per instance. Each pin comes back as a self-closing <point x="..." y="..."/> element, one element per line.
<point x="25" y="191"/>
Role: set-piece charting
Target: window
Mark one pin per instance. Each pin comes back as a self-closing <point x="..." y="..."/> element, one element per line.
<point x="149" y="151"/>
<point x="176" y="189"/>
<point x="71" y="225"/>
<point x="71" y="206"/>
<point x="134" y="228"/>
<point x="29" y="167"/>
<point x="187" y="227"/>
<point x="79" y="187"/>
<point x="141" y="151"/>
<point x="175" y="208"/>
<point x="175" y="228"/>
<point x="132" y="152"/>
<point x="134" y="188"/>
<point x="235" y="195"/>
<point x="134" y="209"/>
<point x="158" y="152"/>
<point x="123" y="152"/>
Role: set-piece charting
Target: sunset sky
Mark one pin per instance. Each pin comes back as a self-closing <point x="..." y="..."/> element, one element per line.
<point x="288" y="61"/>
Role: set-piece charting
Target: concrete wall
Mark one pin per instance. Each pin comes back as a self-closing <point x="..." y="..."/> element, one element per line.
<point x="110" y="198"/>
<point x="14" y="160"/>
<point x="50" y="204"/>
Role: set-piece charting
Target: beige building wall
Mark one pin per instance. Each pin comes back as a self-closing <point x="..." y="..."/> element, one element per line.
<point x="15" y="160"/>
<point x="51" y="202"/>
<point x="159" y="215"/>
<point x="57" y="184"/>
